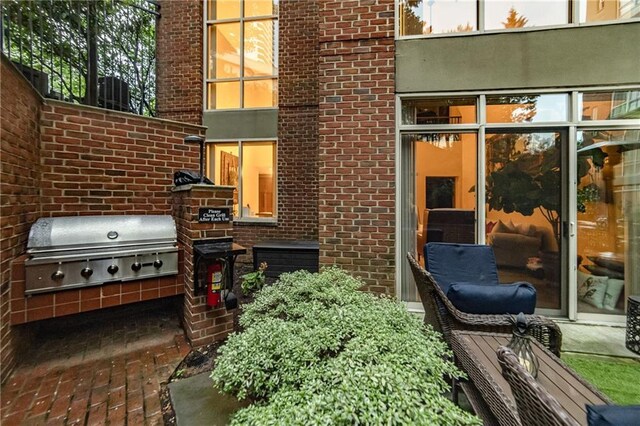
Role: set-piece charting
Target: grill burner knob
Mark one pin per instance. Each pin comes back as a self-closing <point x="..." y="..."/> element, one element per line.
<point x="86" y="272"/>
<point x="157" y="264"/>
<point x="136" y="266"/>
<point x="112" y="269"/>
<point x="57" y="275"/>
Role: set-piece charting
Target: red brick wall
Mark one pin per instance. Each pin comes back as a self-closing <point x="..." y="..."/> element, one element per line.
<point x="179" y="60"/>
<point x="357" y="175"/>
<point x="297" y="128"/>
<point x="19" y="182"/>
<point x="104" y="162"/>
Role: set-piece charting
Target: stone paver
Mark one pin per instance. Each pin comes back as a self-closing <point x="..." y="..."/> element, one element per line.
<point x="106" y="372"/>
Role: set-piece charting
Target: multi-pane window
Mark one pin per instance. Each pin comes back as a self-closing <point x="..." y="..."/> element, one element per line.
<point x="249" y="166"/>
<point x="426" y="17"/>
<point x="241" y="54"/>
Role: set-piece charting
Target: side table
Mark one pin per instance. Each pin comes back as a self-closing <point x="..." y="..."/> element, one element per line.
<point x="632" y="341"/>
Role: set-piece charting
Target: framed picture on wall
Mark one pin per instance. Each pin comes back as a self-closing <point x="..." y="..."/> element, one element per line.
<point x="440" y="192"/>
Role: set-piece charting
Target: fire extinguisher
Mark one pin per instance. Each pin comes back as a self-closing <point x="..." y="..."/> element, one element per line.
<point x="215" y="282"/>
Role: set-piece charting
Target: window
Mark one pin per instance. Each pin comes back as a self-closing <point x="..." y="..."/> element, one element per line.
<point x="241" y="54"/>
<point x="427" y="17"/>
<point x="250" y="167"/>
<point x="553" y="189"/>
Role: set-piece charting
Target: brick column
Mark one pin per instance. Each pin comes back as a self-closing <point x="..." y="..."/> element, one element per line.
<point x="357" y="140"/>
<point x="204" y="325"/>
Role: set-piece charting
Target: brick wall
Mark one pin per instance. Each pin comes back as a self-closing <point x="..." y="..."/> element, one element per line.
<point x="96" y="162"/>
<point x="297" y="128"/>
<point x="179" y="60"/>
<point x="19" y="182"/>
<point x="357" y="182"/>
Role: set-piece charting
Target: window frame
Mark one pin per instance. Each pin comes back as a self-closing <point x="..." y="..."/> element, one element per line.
<point x="210" y="143"/>
<point x="573" y="17"/>
<point x="241" y="79"/>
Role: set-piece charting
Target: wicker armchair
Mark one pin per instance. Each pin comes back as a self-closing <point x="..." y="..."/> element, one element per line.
<point x="535" y="405"/>
<point x="444" y="317"/>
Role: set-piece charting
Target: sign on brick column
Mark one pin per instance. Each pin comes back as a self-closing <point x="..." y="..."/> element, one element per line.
<point x="203" y="325"/>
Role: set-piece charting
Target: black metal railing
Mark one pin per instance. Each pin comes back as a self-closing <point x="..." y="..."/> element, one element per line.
<point x="93" y="52"/>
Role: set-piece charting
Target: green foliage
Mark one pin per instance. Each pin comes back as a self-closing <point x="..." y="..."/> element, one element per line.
<point x="315" y="350"/>
<point x="254" y="281"/>
<point x="607" y="374"/>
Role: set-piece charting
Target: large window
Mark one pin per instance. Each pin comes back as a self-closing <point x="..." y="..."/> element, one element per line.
<point x="550" y="180"/>
<point x="426" y="17"/>
<point x="250" y="167"/>
<point x="241" y="54"/>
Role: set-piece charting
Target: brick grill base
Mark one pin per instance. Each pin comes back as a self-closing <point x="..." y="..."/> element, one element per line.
<point x="56" y="304"/>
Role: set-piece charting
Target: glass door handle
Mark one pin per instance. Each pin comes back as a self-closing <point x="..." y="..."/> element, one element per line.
<point x="572" y="229"/>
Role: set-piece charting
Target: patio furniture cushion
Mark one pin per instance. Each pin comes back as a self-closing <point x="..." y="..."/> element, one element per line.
<point x="452" y="263"/>
<point x="493" y="299"/>
<point x="613" y="415"/>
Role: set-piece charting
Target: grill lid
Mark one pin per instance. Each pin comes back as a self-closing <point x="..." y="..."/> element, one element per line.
<point x="96" y="232"/>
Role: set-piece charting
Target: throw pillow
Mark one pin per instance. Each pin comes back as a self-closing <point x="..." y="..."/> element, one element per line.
<point x="493" y="299"/>
<point x="611" y="296"/>
<point x="527" y="229"/>
<point x="591" y="289"/>
<point x="612" y="415"/>
<point x="503" y="228"/>
<point x="604" y="272"/>
<point x="608" y="261"/>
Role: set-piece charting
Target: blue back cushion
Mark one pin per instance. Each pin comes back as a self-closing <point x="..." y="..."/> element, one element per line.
<point x="613" y="415"/>
<point x="497" y="300"/>
<point x="450" y="263"/>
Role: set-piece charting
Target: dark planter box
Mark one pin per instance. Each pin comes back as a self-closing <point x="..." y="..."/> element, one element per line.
<point x="286" y="256"/>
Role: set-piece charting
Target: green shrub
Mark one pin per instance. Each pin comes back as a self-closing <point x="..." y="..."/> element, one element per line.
<point x="315" y="350"/>
<point x="254" y="281"/>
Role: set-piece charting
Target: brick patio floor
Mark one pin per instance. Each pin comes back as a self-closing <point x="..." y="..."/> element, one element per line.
<point x="106" y="370"/>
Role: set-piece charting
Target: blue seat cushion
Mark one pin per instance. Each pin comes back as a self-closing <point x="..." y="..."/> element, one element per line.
<point x="449" y="263"/>
<point x="613" y="415"/>
<point x="493" y="299"/>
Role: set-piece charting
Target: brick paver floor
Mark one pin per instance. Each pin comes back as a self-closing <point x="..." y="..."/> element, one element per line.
<point x="105" y="371"/>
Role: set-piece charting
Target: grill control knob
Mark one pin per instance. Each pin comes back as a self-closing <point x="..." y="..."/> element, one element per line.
<point x="157" y="264"/>
<point x="86" y="272"/>
<point x="57" y="275"/>
<point x="136" y="266"/>
<point x="112" y="269"/>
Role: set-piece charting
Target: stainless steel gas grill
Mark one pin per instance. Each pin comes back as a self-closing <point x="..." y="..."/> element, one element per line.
<point x="80" y="251"/>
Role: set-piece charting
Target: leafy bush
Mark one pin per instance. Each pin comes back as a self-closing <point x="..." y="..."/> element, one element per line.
<point x="254" y="281"/>
<point x="315" y="350"/>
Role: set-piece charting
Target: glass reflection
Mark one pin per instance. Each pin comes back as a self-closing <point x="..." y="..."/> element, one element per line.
<point x="260" y="48"/>
<point x="419" y="17"/>
<point x="525" y="13"/>
<point x="608" y="228"/>
<point x="619" y="105"/>
<point x="224" y="51"/>
<point x="223" y="9"/>
<point x="439" y="111"/>
<point x="527" y="108"/>
<point x="524" y="210"/>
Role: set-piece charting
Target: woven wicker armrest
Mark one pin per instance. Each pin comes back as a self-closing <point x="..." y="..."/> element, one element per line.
<point x="441" y="313"/>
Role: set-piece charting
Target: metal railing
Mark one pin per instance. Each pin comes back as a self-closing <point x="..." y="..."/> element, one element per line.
<point x="93" y="52"/>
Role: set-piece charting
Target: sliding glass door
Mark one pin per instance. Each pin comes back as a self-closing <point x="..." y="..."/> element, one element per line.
<point x="525" y="210"/>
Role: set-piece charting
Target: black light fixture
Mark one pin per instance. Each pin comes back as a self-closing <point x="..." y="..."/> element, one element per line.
<point x="520" y="344"/>
<point x="199" y="140"/>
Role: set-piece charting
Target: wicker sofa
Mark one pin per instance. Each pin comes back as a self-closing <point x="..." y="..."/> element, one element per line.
<point x="444" y="317"/>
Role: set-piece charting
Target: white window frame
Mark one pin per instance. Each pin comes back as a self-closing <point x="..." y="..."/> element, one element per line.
<point x="205" y="54"/>
<point x="575" y="8"/>
<point x="239" y="143"/>
<point x="573" y="125"/>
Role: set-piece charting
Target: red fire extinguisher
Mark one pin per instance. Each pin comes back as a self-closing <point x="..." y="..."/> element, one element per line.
<point x="215" y="277"/>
